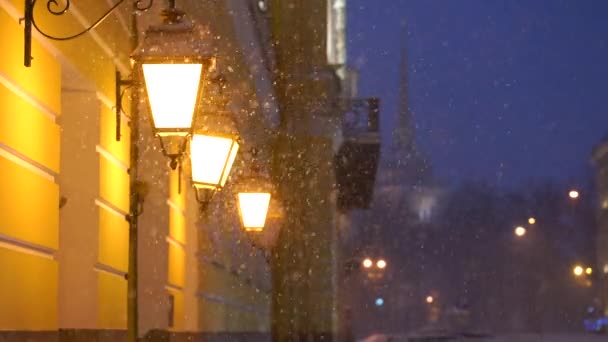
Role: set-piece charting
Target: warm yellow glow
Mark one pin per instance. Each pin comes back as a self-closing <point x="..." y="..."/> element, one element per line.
<point x="231" y="157"/>
<point x="253" y="207"/>
<point x="172" y="93"/>
<point x="212" y="159"/>
<point x="367" y="263"/>
<point x="520" y="231"/>
<point x="381" y="264"/>
<point x="573" y="194"/>
<point x="578" y="270"/>
<point x="430" y="299"/>
<point x="588" y="270"/>
<point x="531" y="220"/>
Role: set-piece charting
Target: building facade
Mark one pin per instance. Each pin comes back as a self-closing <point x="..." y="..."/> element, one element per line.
<point x="64" y="239"/>
<point x="600" y="159"/>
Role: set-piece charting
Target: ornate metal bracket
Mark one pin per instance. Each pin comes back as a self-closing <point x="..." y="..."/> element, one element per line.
<point x="54" y="8"/>
<point x="122" y="85"/>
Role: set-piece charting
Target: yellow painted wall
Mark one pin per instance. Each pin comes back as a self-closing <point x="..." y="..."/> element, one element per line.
<point x="113" y="240"/>
<point x="28" y="291"/>
<point x="29" y="202"/>
<point x="177" y="225"/>
<point x="119" y="149"/>
<point x="112" y="303"/>
<point x="43" y="79"/>
<point x="176" y="265"/>
<point x="113" y="184"/>
<point x="28" y="205"/>
<point x="35" y="218"/>
<point x="176" y="197"/>
<point x="18" y="116"/>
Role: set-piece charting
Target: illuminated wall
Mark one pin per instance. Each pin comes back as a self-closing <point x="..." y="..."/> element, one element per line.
<point x="65" y="193"/>
<point x="62" y="268"/>
<point x="29" y="169"/>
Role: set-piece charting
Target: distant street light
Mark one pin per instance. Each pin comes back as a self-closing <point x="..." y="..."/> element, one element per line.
<point x="578" y="270"/>
<point x="573" y="194"/>
<point x="588" y="270"/>
<point x="430" y="299"/>
<point x="381" y="264"/>
<point x="531" y="220"/>
<point x="520" y="231"/>
<point x="367" y="263"/>
<point x="379" y="301"/>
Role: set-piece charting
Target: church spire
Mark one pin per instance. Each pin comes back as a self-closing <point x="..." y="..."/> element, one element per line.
<point x="403" y="133"/>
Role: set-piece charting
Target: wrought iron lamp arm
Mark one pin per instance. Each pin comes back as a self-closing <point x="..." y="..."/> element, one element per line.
<point x="54" y="8"/>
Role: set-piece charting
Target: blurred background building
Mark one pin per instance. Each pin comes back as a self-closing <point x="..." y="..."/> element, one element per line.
<point x="600" y="159"/>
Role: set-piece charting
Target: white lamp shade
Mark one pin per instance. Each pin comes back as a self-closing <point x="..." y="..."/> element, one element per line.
<point x="253" y="207"/>
<point x="212" y="158"/>
<point x="173" y="91"/>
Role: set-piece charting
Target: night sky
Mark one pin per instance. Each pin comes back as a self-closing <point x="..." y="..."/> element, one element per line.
<point x="504" y="91"/>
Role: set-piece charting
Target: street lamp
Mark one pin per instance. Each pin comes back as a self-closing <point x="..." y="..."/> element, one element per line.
<point x="381" y="264"/>
<point x="213" y="146"/>
<point x="520" y="231"/>
<point x="254" y="194"/>
<point x="253" y="207"/>
<point x="174" y="60"/>
<point x="367" y="263"/>
<point x="573" y="194"/>
<point x="578" y="270"/>
<point x="532" y="220"/>
<point x="588" y="271"/>
<point x="212" y="158"/>
<point x="430" y="299"/>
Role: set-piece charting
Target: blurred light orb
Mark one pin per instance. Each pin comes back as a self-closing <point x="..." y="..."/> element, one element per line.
<point x="573" y="194"/>
<point x="381" y="264"/>
<point x="588" y="270"/>
<point x="531" y="220"/>
<point x="379" y="301"/>
<point x="430" y="299"/>
<point x="367" y="263"/>
<point x="578" y="270"/>
<point x="520" y="231"/>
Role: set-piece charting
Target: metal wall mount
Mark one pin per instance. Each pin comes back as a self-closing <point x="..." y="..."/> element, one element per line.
<point x="54" y="8"/>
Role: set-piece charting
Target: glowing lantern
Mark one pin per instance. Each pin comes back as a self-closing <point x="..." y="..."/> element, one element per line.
<point x="212" y="158"/>
<point x="174" y="60"/>
<point x="253" y="208"/>
<point x="254" y="198"/>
